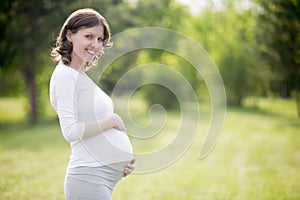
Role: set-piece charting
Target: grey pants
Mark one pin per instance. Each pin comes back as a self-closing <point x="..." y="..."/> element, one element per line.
<point x="91" y="183"/>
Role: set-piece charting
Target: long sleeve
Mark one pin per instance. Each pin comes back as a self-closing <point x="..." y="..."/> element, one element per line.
<point x="66" y="96"/>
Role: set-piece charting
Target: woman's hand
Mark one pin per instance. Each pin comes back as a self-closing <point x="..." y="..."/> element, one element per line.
<point x="95" y="127"/>
<point x="118" y="122"/>
<point x="128" y="169"/>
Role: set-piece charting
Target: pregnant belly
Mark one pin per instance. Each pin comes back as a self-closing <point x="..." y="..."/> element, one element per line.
<point x="109" y="147"/>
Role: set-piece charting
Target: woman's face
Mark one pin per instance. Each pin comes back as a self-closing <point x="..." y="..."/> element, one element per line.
<point x="86" y="43"/>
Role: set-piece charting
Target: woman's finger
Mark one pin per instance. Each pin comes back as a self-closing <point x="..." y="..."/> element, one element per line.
<point x="129" y="168"/>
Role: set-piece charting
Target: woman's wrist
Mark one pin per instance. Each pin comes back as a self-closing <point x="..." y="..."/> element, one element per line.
<point x="111" y="121"/>
<point x="117" y="122"/>
<point x="106" y="123"/>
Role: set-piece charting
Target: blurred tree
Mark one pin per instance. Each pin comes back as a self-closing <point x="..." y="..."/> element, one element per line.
<point x="26" y="28"/>
<point x="237" y="58"/>
<point x="136" y="14"/>
<point x="279" y="38"/>
<point x="228" y="35"/>
<point x="12" y="82"/>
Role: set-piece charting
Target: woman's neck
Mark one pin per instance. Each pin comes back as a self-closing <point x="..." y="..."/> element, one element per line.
<point x="77" y="64"/>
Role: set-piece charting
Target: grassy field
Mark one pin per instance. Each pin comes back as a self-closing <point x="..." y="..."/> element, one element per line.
<point x="257" y="157"/>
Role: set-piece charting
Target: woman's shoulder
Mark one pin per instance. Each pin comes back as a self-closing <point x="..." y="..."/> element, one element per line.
<point x="64" y="72"/>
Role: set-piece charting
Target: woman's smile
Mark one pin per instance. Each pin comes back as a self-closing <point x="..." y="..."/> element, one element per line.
<point x="91" y="52"/>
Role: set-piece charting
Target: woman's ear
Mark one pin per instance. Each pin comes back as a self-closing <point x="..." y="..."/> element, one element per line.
<point x="69" y="36"/>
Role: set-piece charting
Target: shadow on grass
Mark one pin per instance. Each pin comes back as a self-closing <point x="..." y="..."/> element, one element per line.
<point x="23" y="124"/>
<point x="254" y="110"/>
<point x="279" y="115"/>
<point x="43" y="135"/>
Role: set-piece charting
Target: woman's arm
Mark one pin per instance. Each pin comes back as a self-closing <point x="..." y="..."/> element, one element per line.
<point x="111" y="121"/>
<point x="66" y="96"/>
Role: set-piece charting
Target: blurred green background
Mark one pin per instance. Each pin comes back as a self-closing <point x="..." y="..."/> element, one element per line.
<point x="254" y="43"/>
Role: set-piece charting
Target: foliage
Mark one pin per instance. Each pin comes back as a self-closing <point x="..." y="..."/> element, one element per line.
<point x="25" y="39"/>
<point x="166" y="13"/>
<point x="278" y="34"/>
<point x="229" y="37"/>
<point x="230" y="33"/>
<point x="237" y="57"/>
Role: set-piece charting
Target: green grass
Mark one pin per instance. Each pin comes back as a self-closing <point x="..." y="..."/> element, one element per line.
<point x="257" y="157"/>
<point x="11" y="110"/>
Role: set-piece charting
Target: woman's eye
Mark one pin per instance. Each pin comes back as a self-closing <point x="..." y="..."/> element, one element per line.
<point x="101" y="39"/>
<point x="89" y="37"/>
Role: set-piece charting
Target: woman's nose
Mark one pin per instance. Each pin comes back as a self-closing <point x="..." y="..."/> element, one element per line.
<point x="94" y="43"/>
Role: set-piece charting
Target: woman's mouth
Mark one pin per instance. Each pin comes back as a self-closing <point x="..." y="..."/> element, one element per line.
<point x="90" y="52"/>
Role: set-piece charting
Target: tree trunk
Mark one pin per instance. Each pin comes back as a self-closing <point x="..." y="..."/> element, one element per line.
<point x="30" y="82"/>
<point x="30" y="74"/>
<point x="297" y="70"/>
<point x="298" y="102"/>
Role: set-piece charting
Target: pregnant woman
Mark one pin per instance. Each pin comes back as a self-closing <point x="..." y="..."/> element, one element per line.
<point x="101" y="150"/>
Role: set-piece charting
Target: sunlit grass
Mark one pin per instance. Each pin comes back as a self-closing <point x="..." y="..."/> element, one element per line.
<point x="257" y="157"/>
<point x="11" y="110"/>
<point x="33" y="162"/>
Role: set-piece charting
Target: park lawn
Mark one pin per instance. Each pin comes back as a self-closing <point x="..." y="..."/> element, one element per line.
<point x="257" y="157"/>
<point x="11" y="109"/>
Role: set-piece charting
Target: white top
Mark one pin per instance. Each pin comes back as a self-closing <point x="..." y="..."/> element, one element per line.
<point x="77" y="100"/>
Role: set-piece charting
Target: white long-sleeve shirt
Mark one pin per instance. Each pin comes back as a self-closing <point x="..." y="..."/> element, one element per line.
<point x="78" y="100"/>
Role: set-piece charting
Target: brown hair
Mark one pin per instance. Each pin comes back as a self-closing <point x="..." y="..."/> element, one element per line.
<point x="82" y="18"/>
